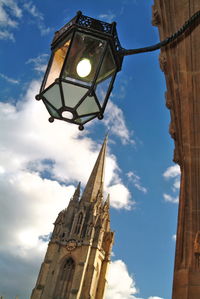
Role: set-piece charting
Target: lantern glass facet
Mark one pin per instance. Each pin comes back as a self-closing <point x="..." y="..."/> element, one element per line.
<point x="81" y="71"/>
<point x="57" y="62"/>
<point x="84" y="47"/>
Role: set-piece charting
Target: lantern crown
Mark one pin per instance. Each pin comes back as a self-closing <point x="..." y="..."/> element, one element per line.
<point x="85" y="22"/>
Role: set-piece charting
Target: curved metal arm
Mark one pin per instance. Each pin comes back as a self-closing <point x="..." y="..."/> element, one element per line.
<point x="165" y="42"/>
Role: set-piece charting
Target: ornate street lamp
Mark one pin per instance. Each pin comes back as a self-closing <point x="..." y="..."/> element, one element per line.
<point x="86" y="56"/>
<point x="81" y="71"/>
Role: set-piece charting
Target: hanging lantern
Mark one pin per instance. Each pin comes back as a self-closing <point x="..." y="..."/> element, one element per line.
<point x="80" y="74"/>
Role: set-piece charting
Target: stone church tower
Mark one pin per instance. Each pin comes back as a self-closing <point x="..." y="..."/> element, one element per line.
<point x="77" y="257"/>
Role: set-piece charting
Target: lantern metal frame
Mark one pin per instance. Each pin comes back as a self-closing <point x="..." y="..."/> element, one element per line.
<point x="83" y="25"/>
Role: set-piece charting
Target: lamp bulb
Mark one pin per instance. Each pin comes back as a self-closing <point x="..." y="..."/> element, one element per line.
<point x="84" y="68"/>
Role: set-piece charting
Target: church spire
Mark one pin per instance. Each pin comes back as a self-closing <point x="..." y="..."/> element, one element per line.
<point x="77" y="192"/>
<point x="95" y="182"/>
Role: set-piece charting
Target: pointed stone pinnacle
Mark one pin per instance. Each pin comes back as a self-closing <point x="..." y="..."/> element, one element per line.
<point x="106" y="205"/>
<point x="77" y="192"/>
<point x="108" y="200"/>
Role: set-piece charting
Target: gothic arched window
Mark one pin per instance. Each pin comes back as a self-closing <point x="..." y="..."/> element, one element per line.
<point x="78" y="223"/>
<point x="65" y="278"/>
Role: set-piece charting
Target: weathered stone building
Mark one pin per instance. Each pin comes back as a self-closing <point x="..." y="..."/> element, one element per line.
<point x="78" y="253"/>
<point x="180" y="62"/>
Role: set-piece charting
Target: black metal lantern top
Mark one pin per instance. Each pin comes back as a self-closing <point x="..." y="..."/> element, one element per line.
<point x="81" y="71"/>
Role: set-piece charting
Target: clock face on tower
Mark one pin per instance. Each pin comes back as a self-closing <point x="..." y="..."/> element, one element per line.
<point x="71" y="244"/>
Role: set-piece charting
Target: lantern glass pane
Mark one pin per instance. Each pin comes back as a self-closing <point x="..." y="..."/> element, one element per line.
<point x="53" y="96"/>
<point x="83" y="119"/>
<point x="88" y="106"/>
<point x="72" y="94"/>
<point x="102" y="89"/>
<point x="84" y="57"/>
<point x="57" y="62"/>
<point x="108" y="66"/>
<point x="52" y="111"/>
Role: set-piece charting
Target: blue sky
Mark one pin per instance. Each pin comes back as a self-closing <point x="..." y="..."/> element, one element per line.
<point x="40" y="163"/>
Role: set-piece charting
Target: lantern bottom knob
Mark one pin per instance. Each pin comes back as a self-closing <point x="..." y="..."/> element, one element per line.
<point x="37" y="97"/>
<point x="100" y="116"/>
<point x="51" y="119"/>
<point x="81" y="127"/>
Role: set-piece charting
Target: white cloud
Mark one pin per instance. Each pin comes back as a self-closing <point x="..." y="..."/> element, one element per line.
<point x="39" y="63"/>
<point x="170" y="198"/>
<point x="172" y="172"/>
<point x="123" y="83"/>
<point x="15" y="9"/>
<point x="6" y="35"/>
<point x="8" y="79"/>
<point x="38" y="17"/>
<point x="116" y="289"/>
<point x="136" y="180"/>
<point x="174" y="237"/>
<point x="31" y="8"/>
<point x="2" y="170"/>
<point x="121" y="285"/>
<point x="176" y="184"/>
<point x="9" y="13"/>
<point x="29" y="206"/>
<point x="117" y="201"/>
<point x="114" y="120"/>
<point x="107" y="17"/>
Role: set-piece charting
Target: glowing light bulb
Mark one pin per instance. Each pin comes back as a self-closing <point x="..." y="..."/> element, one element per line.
<point x="84" y="68"/>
